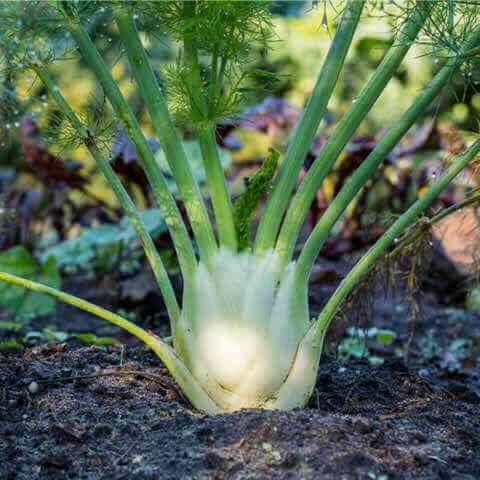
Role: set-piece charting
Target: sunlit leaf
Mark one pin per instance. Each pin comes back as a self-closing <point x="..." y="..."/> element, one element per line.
<point x="94" y="340"/>
<point x="386" y="336"/>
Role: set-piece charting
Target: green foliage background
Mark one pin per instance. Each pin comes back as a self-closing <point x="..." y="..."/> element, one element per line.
<point x="296" y="55"/>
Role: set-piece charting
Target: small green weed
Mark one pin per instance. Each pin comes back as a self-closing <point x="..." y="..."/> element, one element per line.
<point x="7" y="325"/>
<point x="10" y="344"/>
<point x="374" y="476"/>
<point x="355" y="345"/>
<point x="271" y="452"/>
<point x="94" y="340"/>
<point x="50" y="335"/>
<point x="431" y="347"/>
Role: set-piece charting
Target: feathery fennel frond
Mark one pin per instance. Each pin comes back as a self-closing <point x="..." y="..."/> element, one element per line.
<point x="98" y="120"/>
<point x="224" y="33"/>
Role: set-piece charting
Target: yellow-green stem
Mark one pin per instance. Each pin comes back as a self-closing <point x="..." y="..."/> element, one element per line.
<point x="182" y="375"/>
<point x="387" y="143"/>
<point x="363" y="266"/>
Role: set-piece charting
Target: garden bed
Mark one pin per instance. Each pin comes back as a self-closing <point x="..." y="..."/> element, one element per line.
<point x="129" y="421"/>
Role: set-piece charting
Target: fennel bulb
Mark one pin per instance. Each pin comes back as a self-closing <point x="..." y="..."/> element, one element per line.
<point x="243" y="333"/>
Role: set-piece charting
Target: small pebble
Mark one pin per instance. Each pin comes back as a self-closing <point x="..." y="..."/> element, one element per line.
<point x="33" y="388"/>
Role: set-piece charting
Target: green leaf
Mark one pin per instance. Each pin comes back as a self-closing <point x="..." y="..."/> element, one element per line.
<point x="386" y="336"/>
<point x="104" y="234"/>
<point x="75" y="252"/>
<point x="92" y="339"/>
<point x="10" y="344"/>
<point x="459" y="344"/>
<point x="194" y="157"/>
<point x="352" y="347"/>
<point x="18" y="300"/>
<point x="383" y="336"/>
<point x="360" y="333"/>
<point x="269" y="449"/>
<point x="46" y="334"/>
<point x="375" y="360"/>
<point x="54" y="335"/>
<point x="11" y="325"/>
<point x="32" y="334"/>
<point x="80" y="251"/>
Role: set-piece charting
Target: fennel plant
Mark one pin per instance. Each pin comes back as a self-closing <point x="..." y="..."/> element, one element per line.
<point x="243" y="336"/>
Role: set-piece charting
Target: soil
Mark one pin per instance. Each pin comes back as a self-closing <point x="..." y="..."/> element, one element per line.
<point x="127" y="419"/>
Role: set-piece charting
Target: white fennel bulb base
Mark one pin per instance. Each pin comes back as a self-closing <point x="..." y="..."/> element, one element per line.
<point x="248" y="346"/>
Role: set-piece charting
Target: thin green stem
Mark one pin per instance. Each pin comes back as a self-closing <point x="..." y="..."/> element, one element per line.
<point x="167" y="134"/>
<point x="363" y="266"/>
<point x="388" y="142"/>
<point x="221" y="75"/>
<point x="78" y="302"/>
<point x="121" y="194"/>
<point x="471" y="53"/>
<point x="305" y="132"/>
<point x="175" y="365"/>
<point x="221" y="201"/>
<point x="212" y="88"/>
<point x="429" y="223"/>
<point x="343" y="133"/>
<point x="474" y="191"/>
<point x="183" y="245"/>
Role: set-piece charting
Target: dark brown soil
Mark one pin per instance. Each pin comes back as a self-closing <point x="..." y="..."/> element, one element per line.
<point x="379" y="422"/>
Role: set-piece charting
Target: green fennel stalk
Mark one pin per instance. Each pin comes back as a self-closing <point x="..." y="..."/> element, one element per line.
<point x="388" y="238"/>
<point x="243" y="336"/>
<point x="369" y="165"/>
<point x="124" y="200"/>
<point x="344" y="132"/>
<point x="307" y="127"/>
<point x="222" y="204"/>
<point x="189" y="385"/>
<point x="166" y="202"/>
<point x="165" y="130"/>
